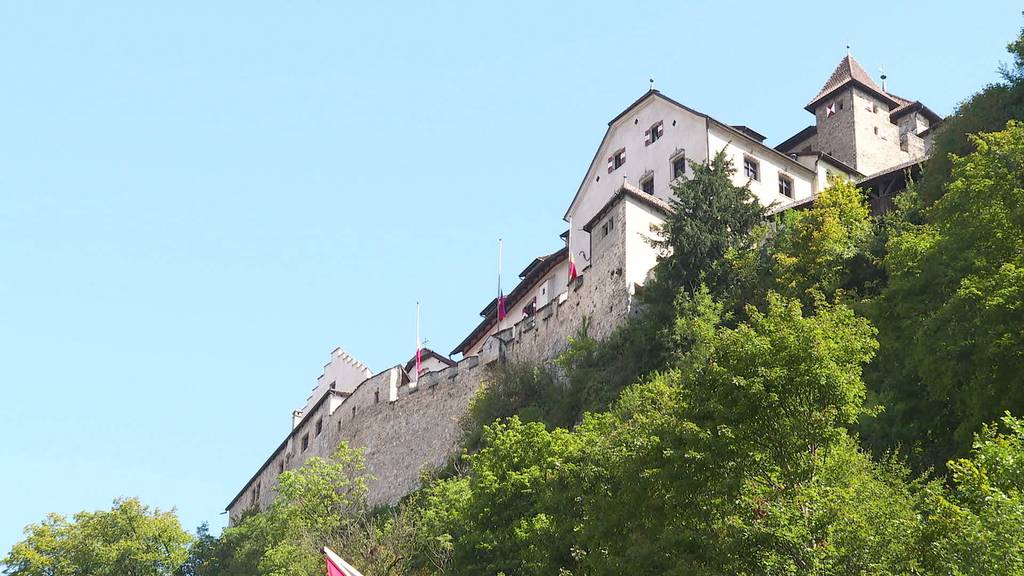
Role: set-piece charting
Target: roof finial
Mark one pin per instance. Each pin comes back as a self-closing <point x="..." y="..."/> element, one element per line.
<point x="847" y="50"/>
<point x="882" y="69"/>
<point x="651" y="80"/>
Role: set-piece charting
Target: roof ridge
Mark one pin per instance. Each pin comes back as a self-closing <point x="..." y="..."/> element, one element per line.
<point x="849" y="70"/>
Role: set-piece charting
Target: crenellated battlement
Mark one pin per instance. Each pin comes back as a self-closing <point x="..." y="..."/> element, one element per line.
<point x="406" y="426"/>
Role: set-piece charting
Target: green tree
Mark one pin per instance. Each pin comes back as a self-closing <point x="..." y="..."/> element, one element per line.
<point x="977" y="527"/>
<point x="734" y="460"/>
<point x="950" y="319"/>
<point x="712" y="218"/>
<point x="818" y="250"/>
<point x="129" y="539"/>
<point x="323" y="502"/>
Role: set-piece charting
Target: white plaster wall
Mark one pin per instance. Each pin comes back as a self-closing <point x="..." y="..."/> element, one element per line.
<point x="767" y="188"/>
<point x="554" y="283"/>
<point x="428" y="364"/>
<point x="640" y="255"/>
<point x="344" y="371"/>
<point x="688" y="134"/>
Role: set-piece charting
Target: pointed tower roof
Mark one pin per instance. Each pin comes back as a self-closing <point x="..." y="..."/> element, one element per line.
<point x="848" y="72"/>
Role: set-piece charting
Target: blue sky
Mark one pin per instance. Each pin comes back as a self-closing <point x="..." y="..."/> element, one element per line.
<point x="200" y="200"/>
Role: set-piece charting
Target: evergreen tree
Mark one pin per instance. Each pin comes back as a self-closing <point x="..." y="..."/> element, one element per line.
<point x="712" y="218"/>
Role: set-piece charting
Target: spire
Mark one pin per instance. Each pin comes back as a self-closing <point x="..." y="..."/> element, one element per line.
<point x="848" y="71"/>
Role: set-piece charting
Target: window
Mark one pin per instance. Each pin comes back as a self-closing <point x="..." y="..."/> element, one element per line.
<point x="648" y="185"/>
<point x="679" y="166"/>
<point x="376" y="396"/>
<point x="305" y="442"/>
<point x="280" y="467"/>
<point x="840" y="104"/>
<point x="751" y="168"/>
<point x="531" y="308"/>
<point x="607" y="227"/>
<point x="353" y="411"/>
<point x="319" y="426"/>
<point x="785" y="186"/>
<point x="876" y="130"/>
<point x="616" y="160"/>
<point x="653" y="133"/>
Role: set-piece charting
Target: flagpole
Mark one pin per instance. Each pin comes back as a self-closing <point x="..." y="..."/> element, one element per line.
<point x="417" y="379"/>
<point x="499" y="303"/>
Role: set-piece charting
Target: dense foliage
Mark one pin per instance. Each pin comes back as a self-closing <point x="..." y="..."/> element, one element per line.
<point x="129" y="539"/>
<point x="825" y="393"/>
<point x="952" y="317"/>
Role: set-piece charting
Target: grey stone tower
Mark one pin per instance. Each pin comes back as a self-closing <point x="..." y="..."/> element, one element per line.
<point x="862" y="125"/>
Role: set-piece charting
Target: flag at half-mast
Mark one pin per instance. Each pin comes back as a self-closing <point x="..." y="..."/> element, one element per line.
<point x="336" y="566"/>
<point x="572" y="261"/>
<point x="501" y="294"/>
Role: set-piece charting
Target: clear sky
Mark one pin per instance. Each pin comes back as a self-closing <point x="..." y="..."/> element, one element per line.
<point x="200" y="200"/>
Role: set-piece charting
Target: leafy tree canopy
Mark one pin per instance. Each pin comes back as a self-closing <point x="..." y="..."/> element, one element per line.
<point x="129" y="539"/>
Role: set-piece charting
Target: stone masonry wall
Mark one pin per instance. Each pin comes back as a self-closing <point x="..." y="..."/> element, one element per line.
<point x="405" y="428"/>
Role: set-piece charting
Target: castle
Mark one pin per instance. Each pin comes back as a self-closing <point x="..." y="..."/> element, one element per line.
<point x="406" y="420"/>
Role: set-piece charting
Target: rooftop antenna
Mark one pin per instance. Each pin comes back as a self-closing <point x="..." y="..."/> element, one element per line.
<point x="651" y="80"/>
<point x="883" y="77"/>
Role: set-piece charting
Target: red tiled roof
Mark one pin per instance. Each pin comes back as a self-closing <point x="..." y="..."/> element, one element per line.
<point x="849" y="71"/>
<point x="426" y="353"/>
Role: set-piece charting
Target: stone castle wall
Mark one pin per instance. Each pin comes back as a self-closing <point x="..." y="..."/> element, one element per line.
<point x="405" y="428"/>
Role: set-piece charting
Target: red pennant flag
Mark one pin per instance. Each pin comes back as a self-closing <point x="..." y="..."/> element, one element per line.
<point x="501" y="307"/>
<point x="336" y="566"/>
<point x="572" y="268"/>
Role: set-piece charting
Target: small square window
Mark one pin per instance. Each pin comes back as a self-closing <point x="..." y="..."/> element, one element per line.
<point x="785" y="186"/>
<point x="648" y="185"/>
<point x="616" y="160"/>
<point x="876" y="130"/>
<point x="653" y="133"/>
<point x="608" y="226"/>
<point x="679" y="166"/>
<point x="751" y="168"/>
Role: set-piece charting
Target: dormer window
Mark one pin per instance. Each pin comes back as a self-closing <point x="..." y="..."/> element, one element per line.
<point x="751" y="168"/>
<point x="653" y="133"/>
<point x="616" y="160"/>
